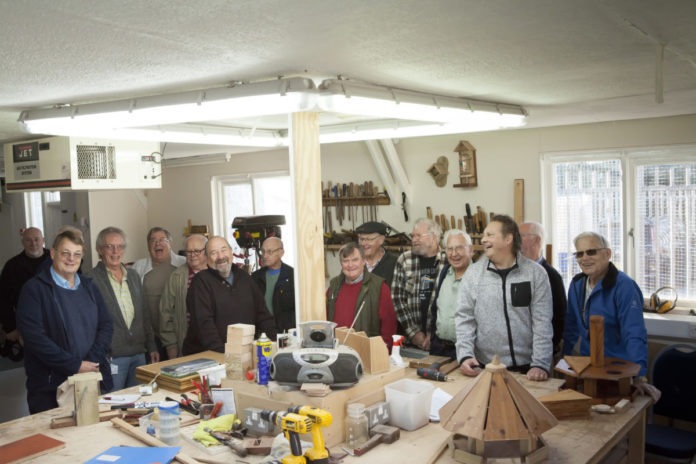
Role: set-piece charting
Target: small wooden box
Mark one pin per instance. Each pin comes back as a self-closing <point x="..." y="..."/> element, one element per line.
<point x="568" y="404"/>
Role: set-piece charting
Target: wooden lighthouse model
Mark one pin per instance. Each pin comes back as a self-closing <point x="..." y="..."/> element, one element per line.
<point x="496" y="417"/>
<point x="606" y="380"/>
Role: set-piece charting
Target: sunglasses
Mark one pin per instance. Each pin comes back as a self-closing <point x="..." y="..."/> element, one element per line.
<point x="592" y="252"/>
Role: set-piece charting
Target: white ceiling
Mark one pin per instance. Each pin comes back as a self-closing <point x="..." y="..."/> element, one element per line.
<point x="565" y="61"/>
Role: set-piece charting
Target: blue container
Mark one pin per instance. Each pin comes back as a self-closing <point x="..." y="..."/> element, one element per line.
<point x="263" y="354"/>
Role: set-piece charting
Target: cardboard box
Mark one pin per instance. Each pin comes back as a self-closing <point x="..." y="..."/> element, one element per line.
<point x="250" y="395"/>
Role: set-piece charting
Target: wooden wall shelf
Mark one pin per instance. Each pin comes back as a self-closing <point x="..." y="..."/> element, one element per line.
<point x="356" y="201"/>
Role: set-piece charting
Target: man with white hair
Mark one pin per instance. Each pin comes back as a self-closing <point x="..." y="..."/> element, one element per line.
<point x="532" y="242"/>
<point x="414" y="281"/>
<point x="459" y="250"/>
<point x="17" y="271"/>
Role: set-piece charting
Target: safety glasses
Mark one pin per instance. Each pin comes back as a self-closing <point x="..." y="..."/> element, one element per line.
<point x="591" y="252"/>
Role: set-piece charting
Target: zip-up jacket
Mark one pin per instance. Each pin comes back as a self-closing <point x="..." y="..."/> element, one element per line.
<point x="509" y="316"/>
<point x="619" y="300"/>
<point x="283" y="295"/>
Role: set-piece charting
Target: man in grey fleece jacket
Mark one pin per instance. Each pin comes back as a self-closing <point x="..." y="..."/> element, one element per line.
<point x="505" y="307"/>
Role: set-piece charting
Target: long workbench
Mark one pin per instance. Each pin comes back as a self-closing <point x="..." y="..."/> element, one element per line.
<point x="572" y="441"/>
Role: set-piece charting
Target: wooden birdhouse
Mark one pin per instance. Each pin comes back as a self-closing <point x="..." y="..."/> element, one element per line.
<point x="496" y="417"/>
<point x="606" y="380"/>
<point x="86" y="397"/>
<point x="467" y="165"/>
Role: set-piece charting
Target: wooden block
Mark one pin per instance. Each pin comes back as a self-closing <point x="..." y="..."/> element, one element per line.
<point x="240" y="330"/>
<point x="236" y="348"/>
<point x="597" y="341"/>
<point x="315" y="389"/>
<point x="69" y="421"/>
<point x="518" y="214"/>
<point x="240" y="340"/>
<point x="28" y="448"/>
<point x="148" y="372"/>
<point x="427" y="361"/>
<point x="86" y="397"/>
<point x="567" y="404"/>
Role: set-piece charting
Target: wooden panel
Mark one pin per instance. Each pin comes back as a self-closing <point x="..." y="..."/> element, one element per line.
<point x="534" y="414"/>
<point x="597" y="341"/>
<point x="503" y="421"/>
<point x="28" y="448"/>
<point x="470" y="420"/>
<point x="518" y="214"/>
<point x="578" y="363"/>
<point x="305" y="166"/>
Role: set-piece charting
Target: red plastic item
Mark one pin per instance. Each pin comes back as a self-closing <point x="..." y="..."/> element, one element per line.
<point x="250" y="375"/>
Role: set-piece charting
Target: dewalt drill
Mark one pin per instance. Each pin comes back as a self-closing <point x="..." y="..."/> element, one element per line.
<point x="318" y="454"/>
<point x="292" y="425"/>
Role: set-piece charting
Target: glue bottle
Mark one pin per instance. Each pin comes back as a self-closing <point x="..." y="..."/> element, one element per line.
<point x="395" y="358"/>
<point x="263" y="354"/>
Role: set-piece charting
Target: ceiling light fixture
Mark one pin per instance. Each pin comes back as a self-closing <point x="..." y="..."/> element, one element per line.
<point x="391" y="113"/>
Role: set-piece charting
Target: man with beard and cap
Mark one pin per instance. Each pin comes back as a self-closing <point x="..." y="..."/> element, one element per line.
<point x="222" y="295"/>
<point x="17" y="271"/>
<point x="378" y="260"/>
<point x="414" y="281"/>
<point x="276" y="281"/>
<point x="504" y="307"/>
<point x="459" y="249"/>
<point x="174" y="317"/>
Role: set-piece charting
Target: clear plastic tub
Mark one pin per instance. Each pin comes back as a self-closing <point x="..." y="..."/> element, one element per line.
<point x="409" y="403"/>
<point x="169" y="422"/>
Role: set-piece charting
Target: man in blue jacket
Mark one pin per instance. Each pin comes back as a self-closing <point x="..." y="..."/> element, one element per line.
<point x="64" y="323"/>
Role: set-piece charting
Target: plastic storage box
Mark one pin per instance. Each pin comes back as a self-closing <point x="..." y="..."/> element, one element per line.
<point x="409" y="403"/>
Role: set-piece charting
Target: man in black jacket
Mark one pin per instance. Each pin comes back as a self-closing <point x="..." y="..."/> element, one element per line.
<point x="276" y="281"/>
<point x="532" y="240"/>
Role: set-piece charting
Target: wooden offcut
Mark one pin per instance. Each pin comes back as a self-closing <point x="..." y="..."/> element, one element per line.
<point x="86" y="397"/>
<point x="28" y="448"/>
<point x="597" y="341"/>
<point x="518" y="214"/>
<point x="147" y="373"/>
<point x="148" y="439"/>
<point x="567" y="404"/>
<point x="372" y="350"/>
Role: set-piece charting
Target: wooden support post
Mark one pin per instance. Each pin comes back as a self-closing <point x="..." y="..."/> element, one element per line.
<point x="597" y="341"/>
<point x="86" y="397"/>
<point x="590" y="387"/>
<point x="305" y="170"/>
<point x="518" y="214"/>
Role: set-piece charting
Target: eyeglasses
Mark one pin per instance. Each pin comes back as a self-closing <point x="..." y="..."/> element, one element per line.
<point x="112" y="247"/>
<point x="591" y="252"/>
<point x="194" y="252"/>
<point x="67" y="255"/>
<point x="159" y="241"/>
<point x="268" y="252"/>
<point x="459" y="249"/>
<point x="367" y="239"/>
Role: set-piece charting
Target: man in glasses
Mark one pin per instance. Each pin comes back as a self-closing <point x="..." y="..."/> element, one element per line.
<point x="65" y="324"/>
<point x="17" y="271"/>
<point x="221" y="295"/>
<point x="532" y="234"/>
<point x="414" y="281"/>
<point x="173" y="316"/>
<point x="378" y="260"/>
<point x="601" y="289"/>
<point x="159" y="246"/>
<point x="459" y="250"/>
<point x="504" y="307"/>
<point x="123" y="295"/>
<point x="276" y="281"/>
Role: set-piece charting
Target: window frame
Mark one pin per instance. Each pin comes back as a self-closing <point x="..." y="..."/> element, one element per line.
<point x="631" y="159"/>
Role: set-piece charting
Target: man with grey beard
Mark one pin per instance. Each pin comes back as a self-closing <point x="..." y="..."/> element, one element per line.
<point x="222" y="295"/>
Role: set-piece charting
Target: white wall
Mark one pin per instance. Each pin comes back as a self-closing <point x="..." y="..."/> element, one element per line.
<point x="11" y="220"/>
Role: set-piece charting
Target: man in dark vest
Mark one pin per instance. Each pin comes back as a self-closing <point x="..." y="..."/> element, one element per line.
<point x="359" y="299"/>
<point x="275" y="280"/>
<point x="378" y="260"/>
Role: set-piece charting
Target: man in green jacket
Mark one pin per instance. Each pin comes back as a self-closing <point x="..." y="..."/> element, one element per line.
<point x="173" y="315"/>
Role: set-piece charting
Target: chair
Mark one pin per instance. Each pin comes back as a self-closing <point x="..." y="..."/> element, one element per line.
<point x="674" y="374"/>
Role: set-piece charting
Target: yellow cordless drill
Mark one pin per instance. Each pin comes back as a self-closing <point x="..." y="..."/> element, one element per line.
<point x="292" y="425"/>
<point x="318" y="454"/>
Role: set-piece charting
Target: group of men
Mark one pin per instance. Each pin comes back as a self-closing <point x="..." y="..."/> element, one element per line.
<point x="511" y="302"/>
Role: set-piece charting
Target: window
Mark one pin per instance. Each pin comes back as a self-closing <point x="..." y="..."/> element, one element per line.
<point x="253" y="195"/>
<point x="35" y="209"/>
<point x="642" y="201"/>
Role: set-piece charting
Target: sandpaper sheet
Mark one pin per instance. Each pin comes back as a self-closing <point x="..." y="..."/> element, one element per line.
<point x="28" y="448"/>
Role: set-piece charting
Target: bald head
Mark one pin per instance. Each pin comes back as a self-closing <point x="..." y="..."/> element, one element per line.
<point x="33" y="242"/>
<point x="272" y="253"/>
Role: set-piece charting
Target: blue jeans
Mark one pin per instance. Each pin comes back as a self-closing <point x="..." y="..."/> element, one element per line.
<point x="126" y="370"/>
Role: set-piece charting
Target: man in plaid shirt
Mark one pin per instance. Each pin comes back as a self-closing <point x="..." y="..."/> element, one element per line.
<point x="414" y="282"/>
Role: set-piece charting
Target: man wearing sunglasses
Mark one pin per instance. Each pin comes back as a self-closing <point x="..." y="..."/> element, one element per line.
<point x="601" y="289"/>
<point x="174" y="317"/>
<point x="276" y="281"/>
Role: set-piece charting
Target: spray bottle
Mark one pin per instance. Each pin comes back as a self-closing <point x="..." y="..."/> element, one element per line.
<point x="263" y="354"/>
<point x="395" y="357"/>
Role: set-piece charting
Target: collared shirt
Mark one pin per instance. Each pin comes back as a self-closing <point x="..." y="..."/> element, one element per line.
<point x="123" y="295"/>
<point x="447" y="306"/>
<point x="369" y="266"/>
<point x="63" y="283"/>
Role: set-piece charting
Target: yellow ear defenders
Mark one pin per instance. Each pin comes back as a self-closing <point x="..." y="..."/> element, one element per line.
<point x="662" y="304"/>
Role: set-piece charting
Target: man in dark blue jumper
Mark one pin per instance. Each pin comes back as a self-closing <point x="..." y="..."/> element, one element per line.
<point x="65" y="325"/>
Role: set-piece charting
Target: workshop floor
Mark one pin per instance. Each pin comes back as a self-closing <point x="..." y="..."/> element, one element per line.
<point x="13" y="394"/>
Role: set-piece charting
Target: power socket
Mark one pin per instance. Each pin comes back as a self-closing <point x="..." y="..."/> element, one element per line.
<point x="692" y="330"/>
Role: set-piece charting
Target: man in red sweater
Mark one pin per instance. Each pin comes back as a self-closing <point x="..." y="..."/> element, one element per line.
<point x="359" y="299"/>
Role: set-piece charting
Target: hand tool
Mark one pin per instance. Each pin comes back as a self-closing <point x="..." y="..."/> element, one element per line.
<point x="469" y="222"/>
<point x="292" y="425"/>
<point x="403" y="205"/>
<point x="183" y="406"/>
<point x="444" y="224"/>
<point x="428" y="212"/>
<point x="432" y="374"/>
<point x="216" y="410"/>
<point x="318" y="453"/>
<point x="235" y="445"/>
<point x="453" y="222"/>
<point x="193" y="403"/>
<point x="380" y="434"/>
<point x="146" y="405"/>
